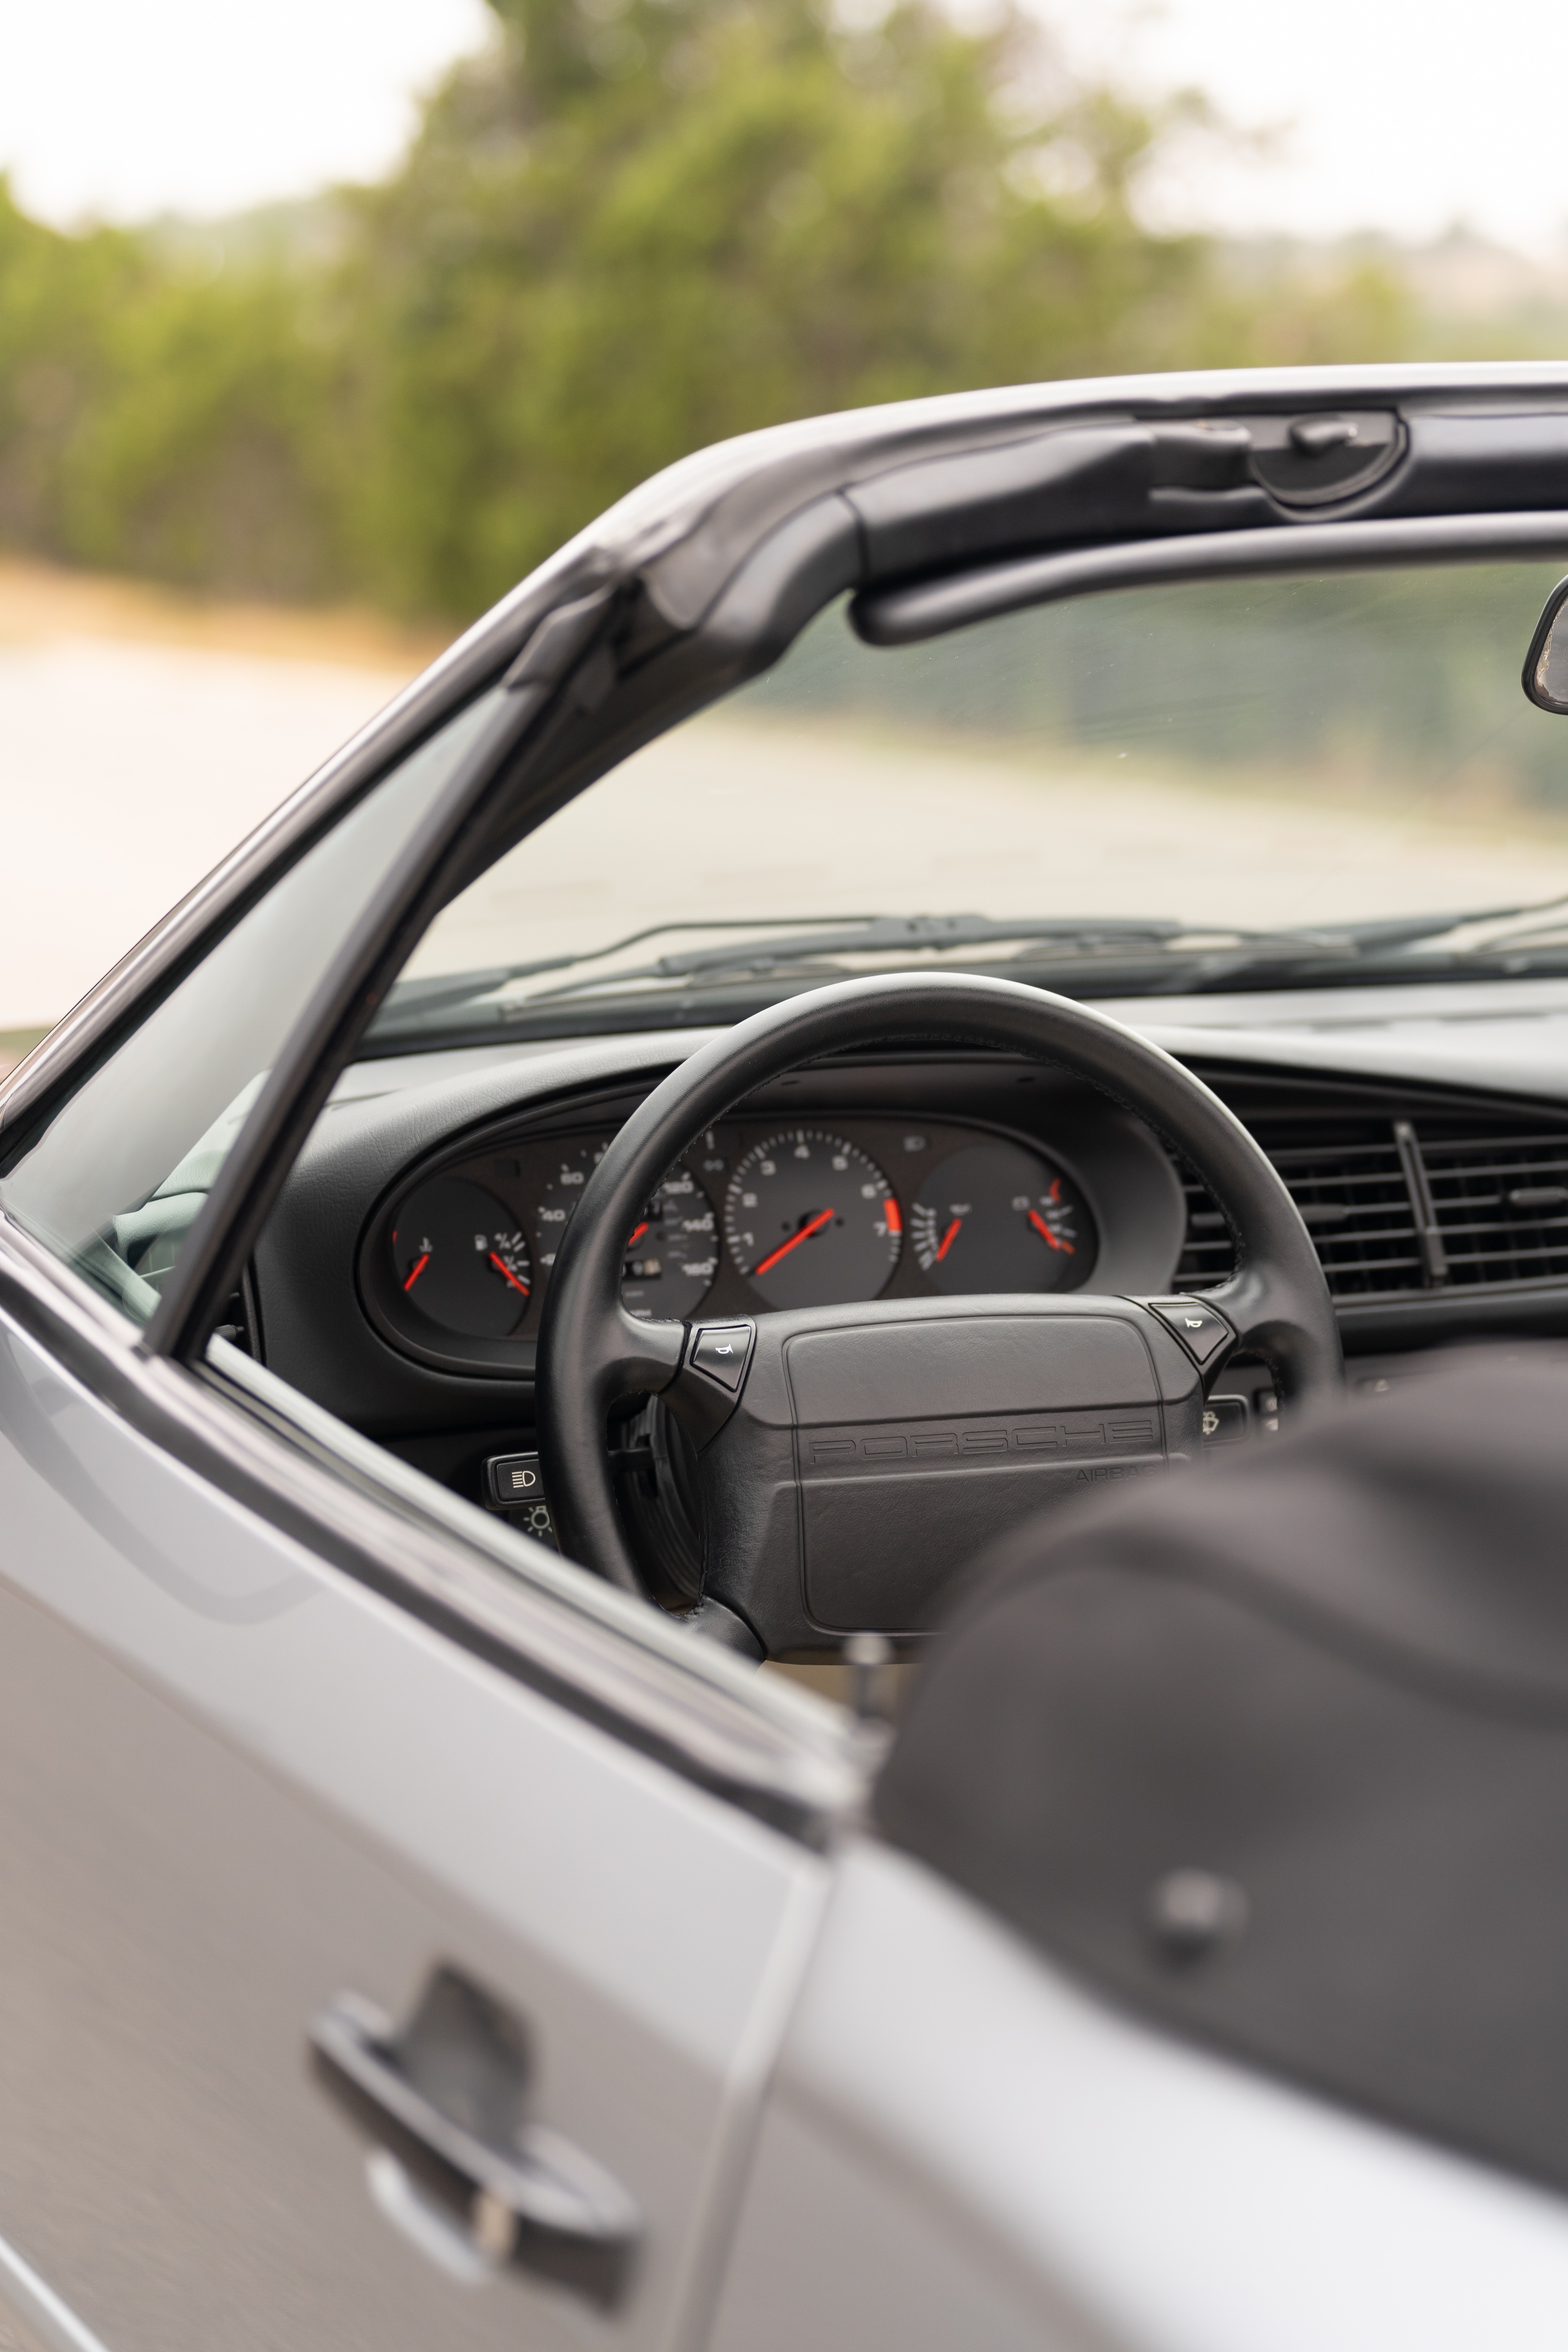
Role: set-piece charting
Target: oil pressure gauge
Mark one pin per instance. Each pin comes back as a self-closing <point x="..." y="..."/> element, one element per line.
<point x="996" y="1217"/>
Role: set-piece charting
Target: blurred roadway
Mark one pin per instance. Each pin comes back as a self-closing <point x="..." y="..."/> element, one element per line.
<point x="140" y="739"/>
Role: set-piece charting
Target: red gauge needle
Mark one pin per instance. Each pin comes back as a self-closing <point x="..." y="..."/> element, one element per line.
<point x="795" y="1241"/>
<point x="948" y="1239"/>
<point x="637" y="1236"/>
<point x="1046" y="1233"/>
<point x="418" y="1270"/>
<point x="501" y="1266"/>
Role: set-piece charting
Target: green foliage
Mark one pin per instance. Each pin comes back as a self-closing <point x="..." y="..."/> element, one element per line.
<point x="159" y="420"/>
<point x="620" y="237"/>
<point x="629" y="228"/>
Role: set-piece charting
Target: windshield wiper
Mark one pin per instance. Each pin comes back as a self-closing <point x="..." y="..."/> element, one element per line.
<point x="1156" y="954"/>
<point x="467" y="987"/>
<point x="1414" y="944"/>
<point x="413" y="1004"/>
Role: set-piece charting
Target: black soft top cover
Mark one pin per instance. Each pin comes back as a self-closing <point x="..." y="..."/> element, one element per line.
<point x="1278" y="1757"/>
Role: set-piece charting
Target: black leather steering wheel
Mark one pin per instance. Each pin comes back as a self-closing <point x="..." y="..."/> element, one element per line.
<point x="850" y="1458"/>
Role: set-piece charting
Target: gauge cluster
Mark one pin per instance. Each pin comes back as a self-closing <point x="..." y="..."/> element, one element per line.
<point x="757" y="1214"/>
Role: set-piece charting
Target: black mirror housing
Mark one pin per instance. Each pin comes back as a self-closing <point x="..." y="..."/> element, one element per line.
<point x="1545" y="678"/>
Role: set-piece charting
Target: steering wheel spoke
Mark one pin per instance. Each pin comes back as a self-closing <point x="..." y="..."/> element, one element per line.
<point x="627" y="1355"/>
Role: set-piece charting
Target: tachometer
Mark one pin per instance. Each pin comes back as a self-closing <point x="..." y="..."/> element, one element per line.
<point x="996" y="1217"/>
<point x="810" y="1221"/>
<point x="459" y="1258"/>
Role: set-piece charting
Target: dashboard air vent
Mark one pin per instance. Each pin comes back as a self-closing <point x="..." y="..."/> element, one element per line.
<point x="1355" y="1202"/>
<point x="1501" y="1207"/>
<point x="1417" y="1197"/>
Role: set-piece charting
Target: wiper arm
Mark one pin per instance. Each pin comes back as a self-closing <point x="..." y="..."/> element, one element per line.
<point x="412" y="1001"/>
<point x="892" y="934"/>
<point x="465" y="987"/>
<point x="414" y="1006"/>
<point x="1414" y="931"/>
<point x="1069" y="940"/>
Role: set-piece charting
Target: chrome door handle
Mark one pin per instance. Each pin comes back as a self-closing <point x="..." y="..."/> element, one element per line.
<point x="443" y="2096"/>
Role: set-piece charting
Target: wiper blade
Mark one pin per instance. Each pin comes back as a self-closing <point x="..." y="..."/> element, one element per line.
<point x="886" y="935"/>
<point x="1416" y="931"/>
<point x="414" y="1005"/>
<point x="466" y="987"/>
<point x="842" y="934"/>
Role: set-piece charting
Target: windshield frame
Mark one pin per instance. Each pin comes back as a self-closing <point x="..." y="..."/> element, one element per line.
<point x="704" y="576"/>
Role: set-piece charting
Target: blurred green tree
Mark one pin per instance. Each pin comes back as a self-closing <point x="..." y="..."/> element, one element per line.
<point x="158" y="418"/>
<point x="627" y="231"/>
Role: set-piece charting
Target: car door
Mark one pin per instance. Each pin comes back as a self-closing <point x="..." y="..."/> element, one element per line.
<point x="238" y="1783"/>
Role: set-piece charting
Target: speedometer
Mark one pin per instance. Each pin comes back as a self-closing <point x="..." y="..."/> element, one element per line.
<point x="673" y="1253"/>
<point x="810" y="1221"/>
<point x="559" y="1195"/>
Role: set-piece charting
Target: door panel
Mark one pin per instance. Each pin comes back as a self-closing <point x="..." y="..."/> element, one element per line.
<point x="234" y="1784"/>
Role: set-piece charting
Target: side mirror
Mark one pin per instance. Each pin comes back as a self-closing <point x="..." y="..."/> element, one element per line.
<point x="1546" y="663"/>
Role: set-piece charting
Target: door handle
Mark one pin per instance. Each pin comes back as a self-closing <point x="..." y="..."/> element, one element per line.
<point x="445" y="2096"/>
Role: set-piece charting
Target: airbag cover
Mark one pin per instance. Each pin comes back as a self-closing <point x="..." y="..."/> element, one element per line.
<point x="946" y="1434"/>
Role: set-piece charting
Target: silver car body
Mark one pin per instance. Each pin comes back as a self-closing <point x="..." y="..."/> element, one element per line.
<point x="282" y="1719"/>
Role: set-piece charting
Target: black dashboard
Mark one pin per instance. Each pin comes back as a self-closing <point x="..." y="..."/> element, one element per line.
<point x="864" y="1181"/>
<point x="402" y="1278"/>
<point x="829" y="1206"/>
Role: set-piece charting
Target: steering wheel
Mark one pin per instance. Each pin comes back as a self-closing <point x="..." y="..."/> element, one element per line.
<point x="851" y="1460"/>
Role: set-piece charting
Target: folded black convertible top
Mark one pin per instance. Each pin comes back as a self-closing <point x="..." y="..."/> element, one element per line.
<point x="1278" y="1757"/>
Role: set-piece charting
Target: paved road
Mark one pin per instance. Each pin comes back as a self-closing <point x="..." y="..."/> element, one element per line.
<point x="127" y="770"/>
<point x="766" y="816"/>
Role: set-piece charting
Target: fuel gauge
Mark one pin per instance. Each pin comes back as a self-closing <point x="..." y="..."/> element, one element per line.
<point x="459" y="1257"/>
<point x="996" y="1217"/>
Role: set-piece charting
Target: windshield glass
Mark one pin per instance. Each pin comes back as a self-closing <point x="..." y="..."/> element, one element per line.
<point x="1198" y="765"/>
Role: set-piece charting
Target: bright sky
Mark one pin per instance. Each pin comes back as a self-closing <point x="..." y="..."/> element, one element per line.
<point x="1405" y="116"/>
<point x="127" y="108"/>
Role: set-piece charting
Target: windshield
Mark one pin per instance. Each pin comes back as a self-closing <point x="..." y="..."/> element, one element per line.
<point x="1159" y="786"/>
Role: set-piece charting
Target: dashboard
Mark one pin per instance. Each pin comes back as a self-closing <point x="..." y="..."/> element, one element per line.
<point x="756" y="1214"/>
<point x="402" y="1278"/>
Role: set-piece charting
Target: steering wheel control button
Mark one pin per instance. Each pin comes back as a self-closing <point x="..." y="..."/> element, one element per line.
<point x="1227" y="1420"/>
<point x="1200" y="1331"/>
<point x="722" y="1351"/>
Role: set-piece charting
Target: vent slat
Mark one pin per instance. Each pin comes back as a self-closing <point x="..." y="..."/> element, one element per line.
<point x="1357" y="1208"/>
<point x="1484" y="1241"/>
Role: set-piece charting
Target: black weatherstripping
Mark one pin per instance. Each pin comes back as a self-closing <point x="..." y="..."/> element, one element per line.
<point x="419" y="882"/>
<point x="906" y="615"/>
<point x="1334" y="1681"/>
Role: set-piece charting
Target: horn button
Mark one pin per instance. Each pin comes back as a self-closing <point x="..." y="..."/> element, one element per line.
<point x="872" y="1454"/>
